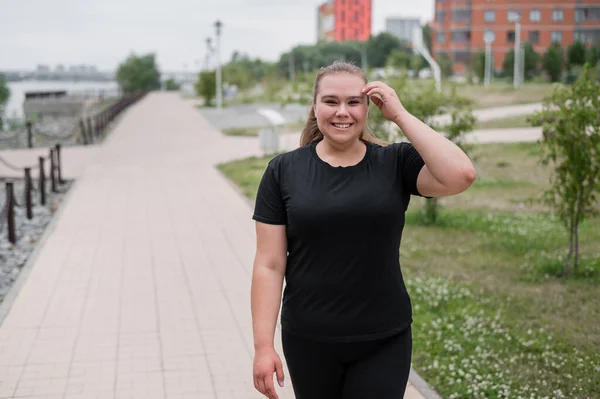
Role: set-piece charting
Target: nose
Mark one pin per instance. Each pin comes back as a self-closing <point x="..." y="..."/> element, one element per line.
<point x="342" y="110"/>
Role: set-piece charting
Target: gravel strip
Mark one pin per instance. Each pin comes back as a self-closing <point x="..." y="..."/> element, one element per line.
<point x="28" y="232"/>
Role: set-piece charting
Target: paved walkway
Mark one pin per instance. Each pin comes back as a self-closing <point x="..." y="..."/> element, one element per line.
<point x="142" y="288"/>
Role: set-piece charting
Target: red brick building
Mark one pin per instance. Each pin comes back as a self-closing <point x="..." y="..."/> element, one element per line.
<point x="351" y="20"/>
<point x="460" y="25"/>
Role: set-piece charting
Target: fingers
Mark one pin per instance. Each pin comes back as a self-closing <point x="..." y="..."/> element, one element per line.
<point x="377" y="101"/>
<point x="279" y="372"/>
<point x="264" y="384"/>
<point x="259" y="384"/>
<point x="375" y="84"/>
<point x="270" y="387"/>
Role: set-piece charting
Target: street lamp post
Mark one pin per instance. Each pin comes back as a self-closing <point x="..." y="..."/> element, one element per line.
<point x="488" y="37"/>
<point x="517" y="69"/>
<point x="209" y="51"/>
<point x="218" y="26"/>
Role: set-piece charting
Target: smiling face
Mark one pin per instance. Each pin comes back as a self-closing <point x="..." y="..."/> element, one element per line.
<point x="340" y="107"/>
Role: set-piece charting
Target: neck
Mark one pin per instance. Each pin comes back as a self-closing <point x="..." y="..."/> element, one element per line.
<point x="341" y="154"/>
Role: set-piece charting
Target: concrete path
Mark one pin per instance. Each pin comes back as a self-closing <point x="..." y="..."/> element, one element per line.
<point x="488" y="114"/>
<point x="141" y="288"/>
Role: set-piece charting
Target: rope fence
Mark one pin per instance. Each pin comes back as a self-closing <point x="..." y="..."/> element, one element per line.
<point x="49" y="177"/>
<point x="25" y="198"/>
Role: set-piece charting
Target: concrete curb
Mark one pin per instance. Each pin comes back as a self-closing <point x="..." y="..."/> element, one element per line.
<point x="421" y="385"/>
<point x="13" y="292"/>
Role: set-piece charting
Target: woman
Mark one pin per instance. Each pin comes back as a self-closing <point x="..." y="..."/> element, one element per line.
<point x="329" y="218"/>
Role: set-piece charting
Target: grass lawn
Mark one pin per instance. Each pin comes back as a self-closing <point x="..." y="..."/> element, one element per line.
<point x="253" y="130"/>
<point x="492" y="319"/>
<point x="504" y="123"/>
<point x="502" y="94"/>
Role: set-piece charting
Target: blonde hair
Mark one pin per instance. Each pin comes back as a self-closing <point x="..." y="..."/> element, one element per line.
<point x="311" y="132"/>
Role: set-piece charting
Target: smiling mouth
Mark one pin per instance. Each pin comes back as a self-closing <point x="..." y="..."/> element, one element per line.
<point x="342" y="125"/>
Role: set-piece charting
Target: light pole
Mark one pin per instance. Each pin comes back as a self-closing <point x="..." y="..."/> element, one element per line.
<point x="218" y="25"/>
<point x="209" y="51"/>
<point x="517" y="68"/>
<point x="488" y="37"/>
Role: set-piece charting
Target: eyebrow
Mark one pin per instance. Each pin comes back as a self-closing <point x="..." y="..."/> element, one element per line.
<point x="336" y="97"/>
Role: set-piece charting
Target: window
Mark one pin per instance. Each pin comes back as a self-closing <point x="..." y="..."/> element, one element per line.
<point x="461" y="16"/>
<point x="440" y="16"/>
<point x="343" y="15"/>
<point x="441" y="37"/>
<point x="461" y="56"/>
<point x="579" y="36"/>
<point x="558" y="15"/>
<point x="587" y="14"/>
<point x="343" y="34"/>
<point x="461" y="36"/>
<point x="355" y="34"/>
<point x="556" y="37"/>
<point x="535" y="15"/>
<point x="513" y="15"/>
<point x="489" y="16"/>
<point x="355" y="16"/>
<point x="510" y="36"/>
<point x="534" y="36"/>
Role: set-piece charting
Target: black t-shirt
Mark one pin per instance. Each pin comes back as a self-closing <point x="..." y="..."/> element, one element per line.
<point x="344" y="226"/>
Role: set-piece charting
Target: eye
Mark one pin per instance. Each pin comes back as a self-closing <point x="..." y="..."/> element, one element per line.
<point x="329" y="102"/>
<point x="354" y="102"/>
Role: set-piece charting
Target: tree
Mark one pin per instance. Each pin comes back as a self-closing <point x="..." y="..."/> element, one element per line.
<point x="172" y="85"/>
<point x="592" y="55"/>
<point x="553" y="61"/>
<point x="445" y="64"/>
<point x="4" y="95"/>
<point x="417" y="62"/>
<point x="398" y="59"/>
<point x="379" y="48"/>
<point x="570" y="124"/>
<point x="138" y="73"/>
<point x="576" y="54"/>
<point x="479" y="65"/>
<point x="206" y="87"/>
<point x="531" y="61"/>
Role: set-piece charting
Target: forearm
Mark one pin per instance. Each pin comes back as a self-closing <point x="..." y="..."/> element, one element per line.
<point x="267" y="284"/>
<point x="444" y="159"/>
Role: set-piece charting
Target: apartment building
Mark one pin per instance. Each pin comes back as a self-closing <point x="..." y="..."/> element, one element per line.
<point x="350" y="20"/>
<point x="460" y="25"/>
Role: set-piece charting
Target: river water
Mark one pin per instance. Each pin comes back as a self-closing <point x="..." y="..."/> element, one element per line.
<point x="14" y="107"/>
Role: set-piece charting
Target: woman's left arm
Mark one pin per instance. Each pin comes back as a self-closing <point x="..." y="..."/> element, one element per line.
<point x="447" y="170"/>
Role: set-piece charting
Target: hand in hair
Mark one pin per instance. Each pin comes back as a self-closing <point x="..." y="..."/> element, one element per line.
<point x="387" y="100"/>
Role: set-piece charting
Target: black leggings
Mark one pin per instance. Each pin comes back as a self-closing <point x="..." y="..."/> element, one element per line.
<point x="376" y="369"/>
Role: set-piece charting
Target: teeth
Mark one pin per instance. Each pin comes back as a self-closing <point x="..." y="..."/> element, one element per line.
<point x="339" y="125"/>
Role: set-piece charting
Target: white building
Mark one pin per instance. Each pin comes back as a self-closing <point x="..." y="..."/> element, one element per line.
<point x="402" y="28"/>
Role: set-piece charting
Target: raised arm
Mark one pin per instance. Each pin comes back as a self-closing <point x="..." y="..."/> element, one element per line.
<point x="267" y="283"/>
<point x="447" y="170"/>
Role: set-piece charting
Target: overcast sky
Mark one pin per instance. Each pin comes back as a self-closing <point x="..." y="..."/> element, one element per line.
<point x="104" y="32"/>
